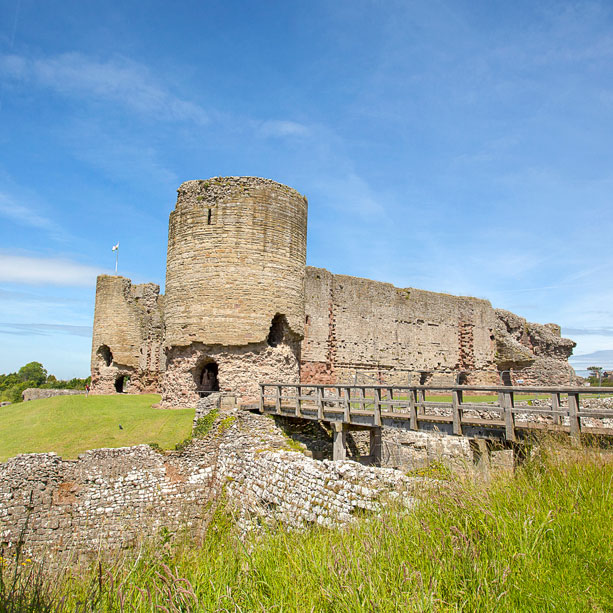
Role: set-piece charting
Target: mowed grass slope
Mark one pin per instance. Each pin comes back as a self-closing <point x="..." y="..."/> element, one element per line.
<point x="70" y="425"/>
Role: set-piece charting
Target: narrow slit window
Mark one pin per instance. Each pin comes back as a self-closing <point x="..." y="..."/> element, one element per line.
<point x="208" y="219"/>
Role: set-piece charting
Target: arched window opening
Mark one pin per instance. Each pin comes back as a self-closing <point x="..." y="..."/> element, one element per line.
<point x="462" y="378"/>
<point x="206" y="378"/>
<point x="104" y="352"/>
<point x="276" y="335"/>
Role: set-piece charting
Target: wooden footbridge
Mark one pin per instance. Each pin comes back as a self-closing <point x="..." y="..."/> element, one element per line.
<point x="371" y="407"/>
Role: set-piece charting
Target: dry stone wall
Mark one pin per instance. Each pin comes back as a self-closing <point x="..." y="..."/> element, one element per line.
<point x="112" y="498"/>
<point x="128" y="336"/>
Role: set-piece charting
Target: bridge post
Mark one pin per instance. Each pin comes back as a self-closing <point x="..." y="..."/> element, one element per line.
<point x="506" y="401"/>
<point x="457" y="411"/>
<point x="278" y="400"/>
<point x="339" y="449"/>
<point x="573" y="418"/>
<point x="555" y="406"/>
<point x="376" y="446"/>
<point x="346" y="404"/>
<point x="377" y="415"/>
<point x="413" y="410"/>
<point x="299" y="401"/>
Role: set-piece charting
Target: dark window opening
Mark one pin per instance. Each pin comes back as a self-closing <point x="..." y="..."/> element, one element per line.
<point x="424" y="378"/>
<point x="105" y="353"/>
<point x="206" y="378"/>
<point x="208" y="219"/>
<point x="462" y="378"/>
<point x="277" y="330"/>
<point x="121" y="384"/>
<point x="506" y="377"/>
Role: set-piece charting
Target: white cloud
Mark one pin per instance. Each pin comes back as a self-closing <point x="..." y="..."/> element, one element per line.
<point x="46" y="271"/>
<point x="117" y="79"/>
<point x="283" y="128"/>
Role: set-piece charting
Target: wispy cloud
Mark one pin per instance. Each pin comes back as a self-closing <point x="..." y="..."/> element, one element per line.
<point x="44" y="329"/>
<point x="117" y="79"/>
<point x="608" y="331"/>
<point x="27" y="216"/>
<point x="283" y="128"/>
<point x="45" y="271"/>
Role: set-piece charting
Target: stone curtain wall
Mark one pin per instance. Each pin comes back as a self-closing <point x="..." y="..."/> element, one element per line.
<point x="128" y="320"/>
<point x="236" y="258"/>
<point x="113" y="498"/>
<point x="391" y="334"/>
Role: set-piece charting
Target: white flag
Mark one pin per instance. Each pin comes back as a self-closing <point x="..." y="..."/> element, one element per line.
<point x="115" y="247"/>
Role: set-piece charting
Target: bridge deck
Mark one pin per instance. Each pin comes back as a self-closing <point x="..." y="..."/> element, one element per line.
<point x="370" y="407"/>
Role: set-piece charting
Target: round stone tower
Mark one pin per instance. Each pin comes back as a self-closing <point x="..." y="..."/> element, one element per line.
<point x="234" y="286"/>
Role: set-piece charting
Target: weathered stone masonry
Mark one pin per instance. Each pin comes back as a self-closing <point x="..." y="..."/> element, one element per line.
<point x="242" y="307"/>
<point x="115" y="498"/>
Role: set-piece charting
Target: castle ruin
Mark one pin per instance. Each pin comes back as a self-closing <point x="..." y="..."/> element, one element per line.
<point x="242" y="307"/>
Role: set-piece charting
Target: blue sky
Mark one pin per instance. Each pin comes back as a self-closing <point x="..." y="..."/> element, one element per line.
<point x="462" y="147"/>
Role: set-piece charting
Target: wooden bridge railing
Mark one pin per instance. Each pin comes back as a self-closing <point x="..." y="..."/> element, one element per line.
<point x="342" y="402"/>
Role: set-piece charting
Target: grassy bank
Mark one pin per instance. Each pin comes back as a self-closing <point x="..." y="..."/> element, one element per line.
<point x="70" y="425"/>
<point x="539" y="540"/>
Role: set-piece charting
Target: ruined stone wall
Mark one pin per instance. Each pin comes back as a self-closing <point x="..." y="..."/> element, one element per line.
<point x="128" y="336"/>
<point x="391" y="334"/>
<point x="113" y="498"/>
<point x="234" y="286"/>
<point x="531" y="353"/>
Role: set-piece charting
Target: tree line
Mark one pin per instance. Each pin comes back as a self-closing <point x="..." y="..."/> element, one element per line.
<point x="34" y="374"/>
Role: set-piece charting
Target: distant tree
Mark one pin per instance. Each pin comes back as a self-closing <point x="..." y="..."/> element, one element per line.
<point x="34" y="372"/>
<point x="595" y="374"/>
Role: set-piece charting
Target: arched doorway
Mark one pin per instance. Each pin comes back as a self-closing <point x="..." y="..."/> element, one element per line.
<point x="206" y="378"/>
<point x="120" y="383"/>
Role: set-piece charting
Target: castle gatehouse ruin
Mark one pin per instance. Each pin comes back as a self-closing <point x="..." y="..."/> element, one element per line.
<point x="242" y="307"/>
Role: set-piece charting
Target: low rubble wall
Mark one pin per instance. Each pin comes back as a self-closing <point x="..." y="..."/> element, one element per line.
<point x="35" y="393"/>
<point x="111" y="499"/>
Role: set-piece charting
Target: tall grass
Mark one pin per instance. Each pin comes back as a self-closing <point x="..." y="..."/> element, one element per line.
<point x="538" y="540"/>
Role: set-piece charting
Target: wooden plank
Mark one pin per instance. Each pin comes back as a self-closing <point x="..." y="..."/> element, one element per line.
<point x="262" y="397"/>
<point x="278" y="400"/>
<point x="320" y="404"/>
<point x="574" y="420"/>
<point x="457" y="412"/>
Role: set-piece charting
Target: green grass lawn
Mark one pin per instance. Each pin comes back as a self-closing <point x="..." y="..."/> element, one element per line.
<point x="70" y="425"/>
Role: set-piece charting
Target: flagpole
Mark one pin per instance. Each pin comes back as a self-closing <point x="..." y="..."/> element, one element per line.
<point x="116" y="250"/>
